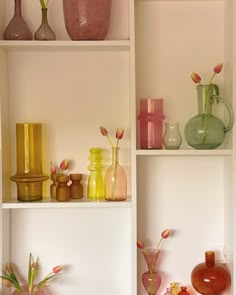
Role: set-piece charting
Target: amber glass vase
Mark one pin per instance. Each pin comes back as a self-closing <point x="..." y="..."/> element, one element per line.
<point x="115" y="179"/>
<point x="151" y="278"/>
<point x="210" y="278"/>
<point x="29" y="175"/>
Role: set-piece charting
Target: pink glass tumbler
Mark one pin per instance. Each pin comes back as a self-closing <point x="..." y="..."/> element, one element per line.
<point x="151" y="123"/>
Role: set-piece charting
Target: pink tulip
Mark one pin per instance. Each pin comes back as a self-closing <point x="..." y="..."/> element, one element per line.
<point x="103" y="131"/>
<point x="119" y="133"/>
<point x="8" y="268"/>
<point x="64" y="164"/>
<point x="6" y="283"/>
<point x="218" y="68"/>
<point x="196" y="78"/>
<point x="165" y="234"/>
<point x="53" y="169"/>
<point x="140" y="244"/>
<point x="57" y="269"/>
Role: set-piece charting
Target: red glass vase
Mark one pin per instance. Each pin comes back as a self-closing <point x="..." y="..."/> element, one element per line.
<point x="210" y="278"/>
<point x="151" y="279"/>
<point x="183" y="291"/>
<point x="87" y="19"/>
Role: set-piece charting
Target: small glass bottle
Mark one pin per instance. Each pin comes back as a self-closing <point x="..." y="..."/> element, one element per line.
<point x="95" y="181"/>
<point x="168" y="291"/>
<point x="76" y="188"/>
<point x="172" y="138"/>
<point x="44" y="32"/>
<point x="183" y="291"/>
<point x="63" y="190"/>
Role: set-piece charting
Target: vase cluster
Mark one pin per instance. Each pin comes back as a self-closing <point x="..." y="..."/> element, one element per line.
<point x="84" y="20"/>
<point x="207" y="278"/>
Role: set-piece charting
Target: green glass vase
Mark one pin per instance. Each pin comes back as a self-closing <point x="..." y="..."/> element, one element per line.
<point x="206" y="131"/>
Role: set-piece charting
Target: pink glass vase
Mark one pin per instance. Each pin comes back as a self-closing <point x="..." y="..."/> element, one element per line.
<point x="151" y="123"/>
<point x="17" y="29"/>
<point x="26" y="292"/>
<point x="87" y="19"/>
<point x="115" y="179"/>
<point x="151" y="279"/>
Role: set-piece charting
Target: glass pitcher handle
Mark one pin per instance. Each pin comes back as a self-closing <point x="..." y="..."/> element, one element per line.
<point x="229" y="109"/>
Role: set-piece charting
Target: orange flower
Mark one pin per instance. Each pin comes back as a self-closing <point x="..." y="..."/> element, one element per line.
<point x="196" y="78"/>
<point x="64" y="164"/>
<point x="218" y="68"/>
<point x="140" y="244"/>
<point x="165" y="234"/>
<point x="7" y="283"/>
<point x="57" y="269"/>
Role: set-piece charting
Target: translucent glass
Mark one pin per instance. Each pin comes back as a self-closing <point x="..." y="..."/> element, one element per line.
<point x="17" y="29"/>
<point x="96" y="179"/>
<point x="29" y="175"/>
<point x="206" y="131"/>
<point x="115" y="180"/>
<point x="87" y="19"/>
<point x="210" y="278"/>
<point x="44" y="32"/>
<point x="172" y="138"/>
<point x="62" y="190"/>
<point x="76" y="188"/>
<point x="151" y="279"/>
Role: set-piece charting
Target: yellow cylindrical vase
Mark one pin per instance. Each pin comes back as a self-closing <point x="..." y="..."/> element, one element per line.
<point x="29" y="174"/>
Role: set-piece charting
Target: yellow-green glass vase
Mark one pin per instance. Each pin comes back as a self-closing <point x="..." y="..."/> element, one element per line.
<point x="29" y="174"/>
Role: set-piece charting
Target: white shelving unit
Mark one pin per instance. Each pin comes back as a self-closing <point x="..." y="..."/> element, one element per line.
<point x="73" y="87"/>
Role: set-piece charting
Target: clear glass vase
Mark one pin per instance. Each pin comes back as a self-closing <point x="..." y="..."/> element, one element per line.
<point x="172" y="138"/>
<point x="206" y="131"/>
<point x="45" y="32"/>
<point x="115" y="179"/>
<point x="151" y="278"/>
<point x="17" y="29"/>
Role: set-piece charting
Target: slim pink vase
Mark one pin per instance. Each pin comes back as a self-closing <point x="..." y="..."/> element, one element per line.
<point x="151" y="278"/>
<point x="87" y="19"/>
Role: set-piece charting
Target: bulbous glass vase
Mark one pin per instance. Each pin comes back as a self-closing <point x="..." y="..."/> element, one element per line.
<point x="44" y="32"/>
<point x="206" y="131"/>
<point x="210" y="278"/>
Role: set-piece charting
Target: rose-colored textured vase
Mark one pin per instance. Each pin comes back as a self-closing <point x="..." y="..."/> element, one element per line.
<point x="151" y="279"/>
<point x="87" y="19"/>
<point x="26" y="292"/>
<point x="210" y="278"/>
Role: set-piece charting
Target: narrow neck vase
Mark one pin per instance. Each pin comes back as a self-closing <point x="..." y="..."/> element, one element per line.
<point x="45" y="32"/>
<point x="115" y="179"/>
<point x="151" y="279"/>
<point x="17" y="29"/>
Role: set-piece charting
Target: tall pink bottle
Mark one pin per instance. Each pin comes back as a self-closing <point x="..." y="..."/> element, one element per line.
<point x="151" y="123"/>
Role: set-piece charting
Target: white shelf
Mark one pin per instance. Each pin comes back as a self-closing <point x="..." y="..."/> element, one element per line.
<point x="61" y="45"/>
<point x="49" y="203"/>
<point x="185" y="152"/>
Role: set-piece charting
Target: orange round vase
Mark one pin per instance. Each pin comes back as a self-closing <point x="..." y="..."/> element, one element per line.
<point x="210" y="278"/>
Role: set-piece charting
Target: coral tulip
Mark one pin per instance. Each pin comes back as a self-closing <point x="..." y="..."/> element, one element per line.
<point x="53" y="169"/>
<point x="140" y="244"/>
<point x="103" y="131"/>
<point x="196" y="78"/>
<point x="165" y="234"/>
<point x="7" y="283"/>
<point x="57" y="269"/>
<point x="218" y="68"/>
<point x="119" y="133"/>
<point x="64" y="164"/>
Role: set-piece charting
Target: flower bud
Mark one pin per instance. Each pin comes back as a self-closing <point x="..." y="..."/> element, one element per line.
<point x="57" y="269"/>
<point x="53" y="169"/>
<point x="103" y="131"/>
<point x="119" y="133"/>
<point x="165" y="234"/>
<point x="218" y="68"/>
<point x="64" y="164"/>
<point x="196" y="78"/>
<point x="6" y="283"/>
<point x="140" y="244"/>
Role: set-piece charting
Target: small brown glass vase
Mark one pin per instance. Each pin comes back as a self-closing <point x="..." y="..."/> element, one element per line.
<point x="76" y="188"/>
<point x="62" y="190"/>
<point x="210" y="278"/>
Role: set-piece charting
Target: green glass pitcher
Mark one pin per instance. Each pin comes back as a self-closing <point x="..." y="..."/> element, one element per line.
<point x="206" y="131"/>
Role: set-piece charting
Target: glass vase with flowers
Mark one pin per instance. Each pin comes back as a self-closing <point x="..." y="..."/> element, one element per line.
<point x="11" y="280"/>
<point x="151" y="278"/>
<point x="206" y="131"/>
<point x="115" y="177"/>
